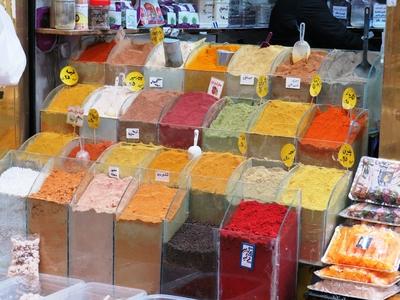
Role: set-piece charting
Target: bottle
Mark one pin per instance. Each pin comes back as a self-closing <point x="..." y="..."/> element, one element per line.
<point x="82" y="15"/>
<point x="98" y="14"/>
<point x="64" y="12"/>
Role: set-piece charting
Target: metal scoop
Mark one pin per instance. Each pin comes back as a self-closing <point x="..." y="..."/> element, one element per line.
<point x="363" y="69"/>
<point x="301" y="50"/>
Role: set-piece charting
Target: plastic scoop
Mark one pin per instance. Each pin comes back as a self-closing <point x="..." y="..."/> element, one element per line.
<point x="363" y="69"/>
<point x="224" y="57"/>
<point x="266" y="43"/>
<point x="301" y="50"/>
<point x="82" y="153"/>
<point x="195" y="151"/>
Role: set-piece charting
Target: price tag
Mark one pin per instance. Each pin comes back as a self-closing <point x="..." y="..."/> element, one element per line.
<point x="156" y="82"/>
<point x="135" y="81"/>
<point x="132" y="133"/>
<point x="156" y="35"/>
<point x="71" y="115"/>
<point x="391" y="3"/>
<point x="379" y="15"/>
<point x="69" y="76"/>
<point x="346" y="156"/>
<point x="215" y="88"/>
<point x="113" y="172"/>
<point x="339" y="12"/>
<point x="262" y="86"/>
<point x="93" y="119"/>
<point x="246" y="79"/>
<point x="162" y="176"/>
<point x="247" y="255"/>
<point x="349" y="98"/>
<point x="79" y="116"/>
<point x="288" y="154"/>
<point x="242" y="143"/>
<point x="293" y="83"/>
<point x="316" y="85"/>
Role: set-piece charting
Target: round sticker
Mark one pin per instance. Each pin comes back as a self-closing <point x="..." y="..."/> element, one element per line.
<point x="135" y="81"/>
<point x="346" y="156"/>
<point x="156" y="35"/>
<point x="349" y="98"/>
<point x="262" y="86"/>
<point x="316" y="85"/>
<point x="69" y="76"/>
<point x="242" y="144"/>
<point x="288" y="154"/>
<point x="93" y="119"/>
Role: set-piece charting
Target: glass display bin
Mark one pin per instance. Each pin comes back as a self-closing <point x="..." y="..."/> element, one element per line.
<point x="47" y="210"/>
<point x="290" y="81"/>
<point x="98" y="291"/>
<point x="324" y="195"/>
<point x="142" y="216"/>
<point x="320" y="147"/>
<point x="90" y="72"/>
<point x="172" y="78"/>
<point x="258" y="249"/>
<point x="202" y="65"/>
<point x="91" y="222"/>
<point x="51" y="287"/>
<point x="141" y="120"/>
<point x="222" y="135"/>
<point x="252" y="62"/>
<point x="94" y="147"/>
<point x="10" y="128"/>
<point x="274" y="125"/>
<point x="19" y="171"/>
<point x="53" y="115"/>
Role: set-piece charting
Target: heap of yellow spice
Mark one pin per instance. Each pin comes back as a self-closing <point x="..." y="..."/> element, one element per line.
<point x="48" y="143"/>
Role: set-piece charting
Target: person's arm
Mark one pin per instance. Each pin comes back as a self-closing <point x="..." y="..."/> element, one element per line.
<point x="323" y="29"/>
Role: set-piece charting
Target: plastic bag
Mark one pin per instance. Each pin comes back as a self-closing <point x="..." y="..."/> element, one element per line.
<point x="12" y="58"/>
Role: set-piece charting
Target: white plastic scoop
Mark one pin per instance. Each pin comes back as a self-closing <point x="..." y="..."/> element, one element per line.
<point x="82" y="153"/>
<point x="195" y="151"/>
<point x="301" y="50"/>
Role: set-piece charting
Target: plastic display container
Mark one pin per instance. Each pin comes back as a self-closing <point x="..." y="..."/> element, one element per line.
<point x="13" y="204"/>
<point x="90" y="72"/>
<point x="91" y="224"/>
<point x="324" y="151"/>
<point x="47" y="211"/>
<point x="141" y="226"/>
<point x="99" y="291"/>
<point x="318" y="222"/>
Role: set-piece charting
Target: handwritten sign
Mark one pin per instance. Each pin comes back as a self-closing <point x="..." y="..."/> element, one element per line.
<point x="349" y="98"/>
<point x="156" y="82"/>
<point x="162" y="176"/>
<point x="132" y="133"/>
<point x="346" y="156"/>
<point x="113" y="172"/>
<point x="315" y="86"/>
<point x="247" y="256"/>
<point x="135" y="81"/>
<point x="246" y="79"/>
<point x="69" y="76"/>
<point x="262" y="86"/>
<point x="75" y="116"/>
<point x="215" y="87"/>
<point x="288" y="154"/>
<point x="293" y="83"/>
<point x="93" y="119"/>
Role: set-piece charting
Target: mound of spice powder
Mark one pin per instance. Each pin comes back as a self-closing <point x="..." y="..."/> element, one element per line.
<point x="94" y="150"/>
<point x="97" y="52"/>
<point x="258" y="224"/>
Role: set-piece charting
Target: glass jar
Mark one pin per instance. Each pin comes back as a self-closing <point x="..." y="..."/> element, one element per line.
<point x="98" y="14"/>
<point x="64" y="11"/>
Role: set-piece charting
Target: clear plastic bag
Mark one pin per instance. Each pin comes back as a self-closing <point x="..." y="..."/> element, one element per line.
<point x="373" y="213"/>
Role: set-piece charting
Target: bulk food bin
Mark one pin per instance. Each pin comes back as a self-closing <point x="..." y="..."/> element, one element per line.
<point x="99" y="291"/>
<point x="18" y="172"/>
<point x="142" y="216"/>
<point x="258" y="249"/>
<point x="51" y="287"/>
<point x="319" y="141"/>
<point x="324" y="195"/>
<point x="129" y="55"/>
<point x="94" y="148"/>
<point x="202" y="65"/>
<point x="110" y="102"/>
<point x="53" y="115"/>
<point x="172" y="77"/>
<point x="140" y="121"/>
<point x="91" y="222"/>
<point x="297" y="87"/>
<point x="47" y="210"/>
<point x="273" y="125"/>
<point x="233" y="116"/>
<point x="253" y="62"/>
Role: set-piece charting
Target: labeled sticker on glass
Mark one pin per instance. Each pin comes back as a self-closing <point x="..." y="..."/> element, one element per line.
<point x="349" y="98"/>
<point x="364" y="242"/>
<point x="262" y="86"/>
<point x="93" y="119"/>
<point x="132" y="133"/>
<point x="156" y="35"/>
<point x="69" y="76"/>
<point x="113" y="172"/>
<point x="247" y="256"/>
<point x="242" y="143"/>
<point x="215" y="88"/>
<point x="293" y="83"/>
<point x="315" y="86"/>
<point x="339" y="12"/>
<point x="288" y="155"/>
<point x="246" y="79"/>
<point x="135" y="81"/>
<point x="156" y="82"/>
<point x="79" y="116"/>
<point x="162" y="176"/>
<point x="346" y="156"/>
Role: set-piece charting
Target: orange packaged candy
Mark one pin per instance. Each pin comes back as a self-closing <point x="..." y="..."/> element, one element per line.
<point x="364" y="246"/>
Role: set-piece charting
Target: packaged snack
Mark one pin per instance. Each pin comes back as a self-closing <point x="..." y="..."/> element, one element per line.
<point x="364" y="246"/>
<point x="149" y="13"/>
<point x="373" y="213"/>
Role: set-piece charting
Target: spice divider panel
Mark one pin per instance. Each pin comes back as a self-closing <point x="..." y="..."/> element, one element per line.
<point x="90" y="72"/>
<point x="199" y="80"/>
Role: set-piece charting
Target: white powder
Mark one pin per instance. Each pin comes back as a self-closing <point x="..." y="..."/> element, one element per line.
<point x="17" y="181"/>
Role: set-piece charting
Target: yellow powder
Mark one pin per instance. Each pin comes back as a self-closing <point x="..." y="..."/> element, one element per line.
<point x="316" y="185"/>
<point x="280" y="118"/>
<point x="151" y="203"/>
<point x="130" y="155"/>
<point x="71" y="96"/>
<point x="48" y="143"/>
<point x="211" y="173"/>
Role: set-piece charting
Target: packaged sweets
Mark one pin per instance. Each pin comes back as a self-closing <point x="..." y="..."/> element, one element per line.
<point x="373" y="213"/>
<point x="364" y="246"/>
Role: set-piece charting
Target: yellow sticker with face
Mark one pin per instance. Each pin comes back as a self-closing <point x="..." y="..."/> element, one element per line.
<point x="135" y="81"/>
<point x="288" y="155"/>
<point x="69" y="76"/>
<point x="315" y="86"/>
<point x="93" y="119"/>
<point x="262" y="86"/>
<point x="349" y="98"/>
<point x="242" y="143"/>
<point x="346" y="156"/>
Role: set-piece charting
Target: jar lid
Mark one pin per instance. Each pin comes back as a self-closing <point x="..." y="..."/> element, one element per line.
<point x="100" y="2"/>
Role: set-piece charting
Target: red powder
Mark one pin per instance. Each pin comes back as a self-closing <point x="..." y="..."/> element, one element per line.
<point x="97" y="53"/>
<point x="259" y="224"/>
<point x="95" y="150"/>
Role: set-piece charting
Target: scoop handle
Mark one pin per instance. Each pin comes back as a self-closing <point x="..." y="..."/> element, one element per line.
<point x="302" y="31"/>
<point x="366" y="32"/>
<point x="196" y="137"/>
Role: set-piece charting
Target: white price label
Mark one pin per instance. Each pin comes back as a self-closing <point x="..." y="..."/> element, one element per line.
<point x="247" y="256"/>
<point x="132" y="133"/>
<point x="215" y="88"/>
<point x="156" y="82"/>
<point x="162" y="176"/>
<point x="246" y="79"/>
<point x="379" y="15"/>
<point x="79" y="116"/>
<point x="293" y="83"/>
<point x="113" y="172"/>
<point x="391" y="3"/>
<point x="339" y="12"/>
<point x="75" y="116"/>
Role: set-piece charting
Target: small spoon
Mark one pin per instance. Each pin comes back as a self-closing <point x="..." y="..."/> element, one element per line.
<point x="301" y="50"/>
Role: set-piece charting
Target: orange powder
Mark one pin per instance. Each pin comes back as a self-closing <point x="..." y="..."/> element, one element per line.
<point x="98" y="52"/>
<point x="151" y="204"/>
<point x="206" y="58"/>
